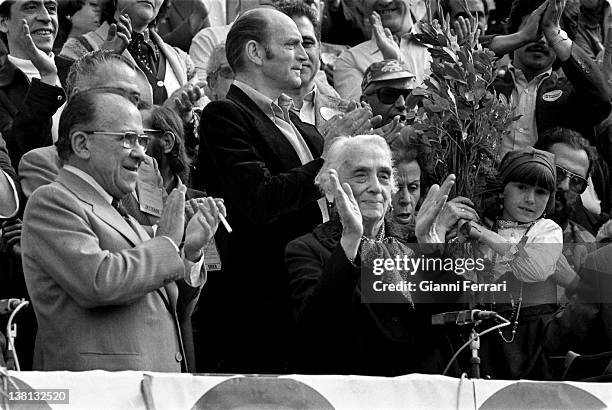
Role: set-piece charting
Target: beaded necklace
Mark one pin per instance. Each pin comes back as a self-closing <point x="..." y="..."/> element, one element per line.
<point x="516" y="306"/>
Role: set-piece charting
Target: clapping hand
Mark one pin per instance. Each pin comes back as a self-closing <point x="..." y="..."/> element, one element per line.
<point x="467" y="31"/>
<point x="172" y="220"/>
<point x="202" y="225"/>
<point x="384" y="39"/>
<point x="350" y="215"/>
<point x="43" y="62"/>
<point x="184" y="99"/>
<point x="429" y="213"/>
<point x="552" y="17"/>
<point x="531" y="29"/>
<point x="355" y="122"/>
<point x="119" y="34"/>
<point x="391" y="131"/>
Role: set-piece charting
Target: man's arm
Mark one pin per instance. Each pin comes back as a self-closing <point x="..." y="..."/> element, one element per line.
<point x="242" y="171"/>
<point x="59" y="236"/>
<point x="347" y="76"/>
<point x="591" y="103"/>
<point x="9" y="199"/>
<point x="31" y="126"/>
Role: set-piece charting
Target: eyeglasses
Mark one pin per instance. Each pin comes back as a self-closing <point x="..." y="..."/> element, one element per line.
<point x="577" y="184"/>
<point x="130" y="139"/>
<point x="149" y="131"/>
<point x="388" y="95"/>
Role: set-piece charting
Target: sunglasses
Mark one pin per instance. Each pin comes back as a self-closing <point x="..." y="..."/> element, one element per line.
<point x="388" y="95"/>
<point x="130" y="139"/>
<point x="577" y="184"/>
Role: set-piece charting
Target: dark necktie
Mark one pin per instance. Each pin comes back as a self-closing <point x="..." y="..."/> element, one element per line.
<point x="120" y="208"/>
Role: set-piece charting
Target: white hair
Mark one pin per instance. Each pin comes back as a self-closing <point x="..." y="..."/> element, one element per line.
<point x="336" y="154"/>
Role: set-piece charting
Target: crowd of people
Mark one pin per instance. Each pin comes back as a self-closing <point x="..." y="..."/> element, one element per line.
<point x="207" y="186"/>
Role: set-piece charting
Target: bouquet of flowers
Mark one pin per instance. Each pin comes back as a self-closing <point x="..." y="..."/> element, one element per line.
<point x="461" y="118"/>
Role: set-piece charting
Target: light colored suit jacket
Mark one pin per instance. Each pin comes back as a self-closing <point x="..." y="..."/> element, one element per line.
<point x="181" y="65"/>
<point x="98" y="284"/>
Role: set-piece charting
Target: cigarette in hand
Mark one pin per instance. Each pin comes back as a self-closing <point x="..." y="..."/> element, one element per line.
<point x="224" y="222"/>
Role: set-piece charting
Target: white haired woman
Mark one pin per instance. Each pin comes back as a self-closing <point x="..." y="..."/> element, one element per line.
<point x="349" y="329"/>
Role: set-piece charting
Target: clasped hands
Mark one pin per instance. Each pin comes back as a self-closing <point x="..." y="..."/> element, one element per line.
<point x="202" y="216"/>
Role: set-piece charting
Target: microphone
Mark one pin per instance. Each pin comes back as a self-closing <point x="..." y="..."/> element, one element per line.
<point x="462" y="317"/>
<point x="8" y="305"/>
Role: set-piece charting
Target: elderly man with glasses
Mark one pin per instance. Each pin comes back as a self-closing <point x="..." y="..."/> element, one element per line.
<point x="107" y="295"/>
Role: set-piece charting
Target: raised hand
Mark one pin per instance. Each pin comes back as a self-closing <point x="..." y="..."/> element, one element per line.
<point x="202" y="226"/>
<point x="355" y="122"/>
<point x="350" y="215"/>
<point x="172" y="220"/>
<point x="199" y="17"/>
<point x="531" y="30"/>
<point x="391" y="131"/>
<point x="428" y="215"/>
<point x="119" y="34"/>
<point x="552" y="17"/>
<point x="384" y="39"/>
<point x="43" y="62"/>
<point x="184" y="99"/>
<point x="467" y="31"/>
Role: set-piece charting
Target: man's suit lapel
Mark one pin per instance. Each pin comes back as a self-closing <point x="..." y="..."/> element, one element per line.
<point x="100" y="207"/>
<point x="268" y="131"/>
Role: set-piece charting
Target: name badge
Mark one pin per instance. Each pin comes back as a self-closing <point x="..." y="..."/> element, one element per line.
<point x="211" y="257"/>
<point x="552" y="95"/>
<point x="150" y="198"/>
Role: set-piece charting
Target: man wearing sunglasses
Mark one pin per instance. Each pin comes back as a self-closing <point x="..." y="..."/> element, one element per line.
<point x="574" y="166"/>
<point x="387" y="86"/>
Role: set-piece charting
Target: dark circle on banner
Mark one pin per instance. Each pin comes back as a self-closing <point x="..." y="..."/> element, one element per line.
<point x="160" y="83"/>
<point x="262" y="393"/>
<point x="532" y="395"/>
<point x="23" y="386"/>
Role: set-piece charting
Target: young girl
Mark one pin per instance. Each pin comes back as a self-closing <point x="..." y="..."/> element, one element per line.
<point x="522" y="247"/>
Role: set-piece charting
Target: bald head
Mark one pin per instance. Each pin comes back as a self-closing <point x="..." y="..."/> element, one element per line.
<point x="254" y="25"/>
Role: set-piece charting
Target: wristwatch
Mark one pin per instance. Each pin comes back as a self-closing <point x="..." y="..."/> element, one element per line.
<point x="561" y="36"/>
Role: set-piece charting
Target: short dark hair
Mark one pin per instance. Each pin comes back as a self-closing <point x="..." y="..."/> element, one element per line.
<point x="296" y="8"/>
<point x="252" y="25"/>
<point x="80" y="110"/>
<point x="5" y="8"/>
<point x="520" y="9"/>
<point x="87" y="65"/>
<point x="567" y="136"/>
<point x="5" y="11"/>
<point x="407" y="148"/>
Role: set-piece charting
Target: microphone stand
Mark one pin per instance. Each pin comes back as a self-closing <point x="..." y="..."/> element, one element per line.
<point x="475" y="358"/>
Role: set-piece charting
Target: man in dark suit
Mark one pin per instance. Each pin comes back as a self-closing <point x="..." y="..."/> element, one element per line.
<point x="30" y="89"/>
<point x="544" y="99"/>
<point x="106" y="295"/>
<point x="262" y="160"/>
